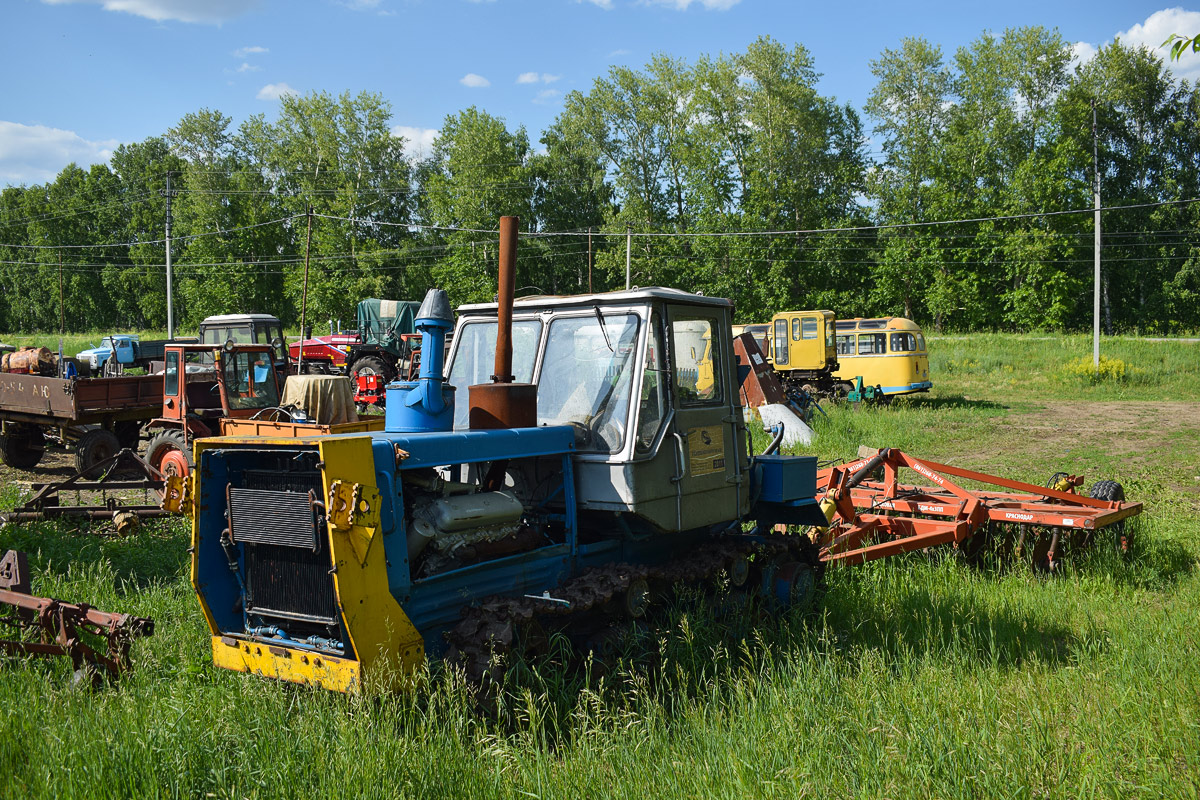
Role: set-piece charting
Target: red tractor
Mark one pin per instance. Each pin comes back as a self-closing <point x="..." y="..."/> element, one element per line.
<point x="203" y="385"/>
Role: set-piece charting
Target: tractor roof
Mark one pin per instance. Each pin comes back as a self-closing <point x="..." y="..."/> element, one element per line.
<point x="622" y="297"/>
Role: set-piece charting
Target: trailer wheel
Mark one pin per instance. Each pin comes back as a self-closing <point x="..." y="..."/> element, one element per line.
<point x="22" y="446"/>
<point x="95" y="447"/>
<point x="169" y="454"/>
<point x="372" y="365"/>
<point x="1111" y="490"/>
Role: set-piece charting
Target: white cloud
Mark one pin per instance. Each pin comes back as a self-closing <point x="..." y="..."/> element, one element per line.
<point x="253" y="50"/>
<point x="535" y="77"/>
<point x="546" y="95"/>
<point x="274" y="91"/>
<point x="683" y="5"/>
<point x="474" y="81"/>
<point x="1152" y="33"/>
<point x="605" y="4"/>
<point x="1155" y="30"/>
<point x="621" y="52"/>
<point x="213" y="12"/>
<point x="1081" y="53"/>
<point x="36" y="154"/>
<point x="417" y="141"/>
<point x="246" y="67"/>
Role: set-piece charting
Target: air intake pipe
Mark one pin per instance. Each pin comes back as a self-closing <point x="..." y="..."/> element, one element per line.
<point x="426" y="404"/>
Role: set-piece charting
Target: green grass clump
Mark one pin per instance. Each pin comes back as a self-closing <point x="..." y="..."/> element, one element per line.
<point x="917" y="676"/>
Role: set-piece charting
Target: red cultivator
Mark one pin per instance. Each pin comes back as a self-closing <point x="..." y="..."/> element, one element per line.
<point x="872" y="515"/>
<point x="66" y="629"/>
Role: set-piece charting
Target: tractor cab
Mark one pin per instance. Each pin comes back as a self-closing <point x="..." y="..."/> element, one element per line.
<point x="646" y="379"/>
<point x="202" y="385"/>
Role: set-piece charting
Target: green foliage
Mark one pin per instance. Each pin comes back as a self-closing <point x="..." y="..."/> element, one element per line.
<point x="681" y="153"/>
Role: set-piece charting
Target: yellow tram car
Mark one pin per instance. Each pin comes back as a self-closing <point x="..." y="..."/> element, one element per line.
<point x="888" y="352"/>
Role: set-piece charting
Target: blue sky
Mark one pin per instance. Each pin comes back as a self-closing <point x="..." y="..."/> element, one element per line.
<point x="86" y="75"/>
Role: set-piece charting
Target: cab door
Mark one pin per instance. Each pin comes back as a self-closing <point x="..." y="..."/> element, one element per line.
<point x="704" y="433"/>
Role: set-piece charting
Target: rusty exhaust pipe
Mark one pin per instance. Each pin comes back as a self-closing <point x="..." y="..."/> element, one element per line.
<point x="502" y="403"/>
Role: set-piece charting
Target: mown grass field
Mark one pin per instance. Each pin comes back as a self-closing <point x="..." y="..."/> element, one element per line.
<point x="918" y="676"/>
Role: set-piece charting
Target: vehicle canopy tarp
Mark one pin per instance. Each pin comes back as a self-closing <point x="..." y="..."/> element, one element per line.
<point x="384" y="321"/>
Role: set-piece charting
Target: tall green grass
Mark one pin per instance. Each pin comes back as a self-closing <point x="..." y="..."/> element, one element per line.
<point x="916" y="677"/>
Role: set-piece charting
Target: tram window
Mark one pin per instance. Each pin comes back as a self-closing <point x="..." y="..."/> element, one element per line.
<point x="870" y="344"/>
<point x="808" y="328"/>
<point x="903" y="343"/>
<point x="872" y="324"/>
<point x="780" y="345"/>
<point x="920" y="343"/>
<point x="845" y="324"/>
<point x="845" y="344"/>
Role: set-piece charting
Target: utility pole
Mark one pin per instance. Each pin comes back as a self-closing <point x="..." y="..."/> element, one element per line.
<point x="62" y="316"/>
<point x="170" y="297"/>
<point x="589" y="259"/>
<point x="1096" y="288"/>
<point x="304" y="293"/>
<point x="628" y="252"/>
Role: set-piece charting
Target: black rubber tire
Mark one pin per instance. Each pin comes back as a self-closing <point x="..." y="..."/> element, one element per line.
<point x="129" y="433"/>
<point x="22" y="446"/>
<point x="95" y="446"/>
<point x="372" y="365"/>
<point x="1111" y="490"/>
<point x="164" y="442"/>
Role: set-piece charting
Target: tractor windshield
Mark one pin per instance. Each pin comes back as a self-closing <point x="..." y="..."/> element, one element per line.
<point x="250" y="379"/>
<point x="475" y="359"/>
<point x="587" y="377"/>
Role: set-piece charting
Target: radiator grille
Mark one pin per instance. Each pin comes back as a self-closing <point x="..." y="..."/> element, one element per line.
<point x="260" y="516"/>
<point x="282" y="481"/>
<point x="289" y="583"/>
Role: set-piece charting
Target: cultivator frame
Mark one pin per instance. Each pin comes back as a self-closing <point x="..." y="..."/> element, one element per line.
<point x="64" y="627"/>
<point x="872" y="515"/>
<point x="93" y="498"/>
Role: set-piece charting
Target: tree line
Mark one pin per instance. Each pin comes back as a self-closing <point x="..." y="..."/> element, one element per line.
<point x="731" y="175"/>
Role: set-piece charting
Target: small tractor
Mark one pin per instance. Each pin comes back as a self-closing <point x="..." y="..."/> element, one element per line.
<point x="209" y="391"/>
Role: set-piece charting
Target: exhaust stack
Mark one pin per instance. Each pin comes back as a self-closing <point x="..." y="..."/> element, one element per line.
<point x="502" y="403"/>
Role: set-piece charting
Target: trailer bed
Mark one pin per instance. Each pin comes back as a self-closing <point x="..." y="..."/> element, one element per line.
<point x="79" y="401"/>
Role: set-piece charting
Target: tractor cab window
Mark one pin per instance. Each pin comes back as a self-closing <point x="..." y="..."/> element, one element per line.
<point x="475" y="359"/>
<point x="808" y="328"/>
<point x="697" y="366"/>
<point x="250" y="380"/>
<point x="171" y="374"/>
<point x="829" y="335"/>
<point x="872" y="344"/>
<point x="796" y="329"/>
<point x="845" y="344"/>
<point x="653" y="408"/>
<point x="903" y="343"/>
<point x="587" y="378"/>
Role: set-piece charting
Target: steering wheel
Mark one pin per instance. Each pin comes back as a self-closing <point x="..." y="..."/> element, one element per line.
<point x="583" y="433"/>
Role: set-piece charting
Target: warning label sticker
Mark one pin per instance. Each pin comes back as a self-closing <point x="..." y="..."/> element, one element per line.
<point x="706" y="450"/>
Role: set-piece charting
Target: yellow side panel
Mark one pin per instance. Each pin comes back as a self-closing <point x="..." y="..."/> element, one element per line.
<point x="385" y="641"/>
<point x="297" y="666"/>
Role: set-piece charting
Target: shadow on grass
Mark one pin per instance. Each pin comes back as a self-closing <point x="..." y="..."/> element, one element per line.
<point x="947" y="401"/>
<point x="156" y="552"/>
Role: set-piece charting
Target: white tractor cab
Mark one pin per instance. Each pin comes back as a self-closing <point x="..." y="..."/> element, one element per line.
<point x="648" y="380"/>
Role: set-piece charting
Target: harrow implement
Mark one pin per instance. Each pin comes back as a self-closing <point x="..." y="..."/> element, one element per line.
<point x="89" y="637"/>
<point x="872" y="515"/>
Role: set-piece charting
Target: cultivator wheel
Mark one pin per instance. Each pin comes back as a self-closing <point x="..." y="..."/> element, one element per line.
<point x="1114" y="492"/>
